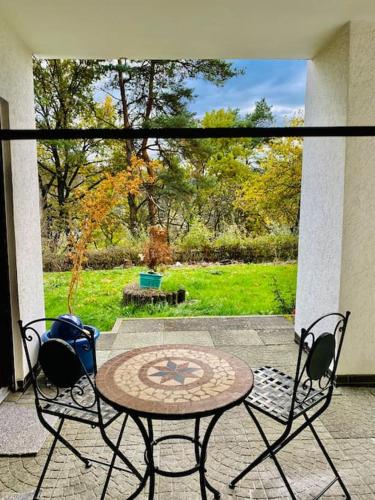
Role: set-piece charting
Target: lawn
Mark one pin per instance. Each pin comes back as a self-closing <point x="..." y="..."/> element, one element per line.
<point x="236" y="289"/>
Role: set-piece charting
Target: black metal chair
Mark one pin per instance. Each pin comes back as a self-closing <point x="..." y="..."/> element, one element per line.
<point x="68" y="391"/>
<point x="307" y="395"/>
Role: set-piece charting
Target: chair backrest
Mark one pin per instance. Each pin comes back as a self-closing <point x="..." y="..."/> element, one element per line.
<point x="61" y="363"/>
<point x="315" y="375"/>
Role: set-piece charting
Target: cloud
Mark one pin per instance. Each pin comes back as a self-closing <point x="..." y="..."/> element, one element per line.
<point x="281" y="83"/>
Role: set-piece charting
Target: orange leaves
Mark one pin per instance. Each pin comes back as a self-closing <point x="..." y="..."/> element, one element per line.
<point x="145" y="171"/>
<point x="157" y="250"/>
<point x="93" y="207"/>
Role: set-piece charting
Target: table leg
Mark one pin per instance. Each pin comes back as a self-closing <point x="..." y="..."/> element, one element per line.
<point x="148" y="437"/>
<point x="196" y="440"/>
<point x="202" y="462"/>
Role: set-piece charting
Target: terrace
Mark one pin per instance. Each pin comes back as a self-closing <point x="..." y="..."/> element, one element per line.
<point x="347" y="428"/>
<point x="336" y="243"/>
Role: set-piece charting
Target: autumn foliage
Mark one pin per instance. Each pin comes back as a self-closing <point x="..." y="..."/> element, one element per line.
<point x="93" y="207"/>
<point x="157" y="250"/>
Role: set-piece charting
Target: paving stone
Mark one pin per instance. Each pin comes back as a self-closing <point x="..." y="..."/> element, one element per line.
<point x="351" y="414"/>
<point x="279" y="356"/>
<point x="276" y="337"/>
<point x="105" y="341"/>
<point x="236" y="337"/>
<point x="137" y="339"/>
<point x="141" y="325"/>
<point x="201" y="338"/>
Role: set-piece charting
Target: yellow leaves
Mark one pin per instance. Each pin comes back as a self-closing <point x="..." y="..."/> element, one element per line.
<point x="272" y="193"/>
<point x="93" y="207"/>
<point x="146" y="171"/>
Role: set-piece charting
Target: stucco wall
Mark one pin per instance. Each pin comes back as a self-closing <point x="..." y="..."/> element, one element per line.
<point x="16" y="87"/>
<point x="358" y="255"/>
<point x="337" y="239"/>
<point x="319" y="258"/>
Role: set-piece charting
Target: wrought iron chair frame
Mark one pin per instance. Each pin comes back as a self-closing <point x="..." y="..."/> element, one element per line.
<point x="92" y="413"/>
<point x="323" y="399"/>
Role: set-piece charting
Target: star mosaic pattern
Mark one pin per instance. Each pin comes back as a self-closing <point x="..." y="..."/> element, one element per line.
<point x="174" y="371"/>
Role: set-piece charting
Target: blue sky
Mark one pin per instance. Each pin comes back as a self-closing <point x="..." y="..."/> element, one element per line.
<point x="282" y="83"/>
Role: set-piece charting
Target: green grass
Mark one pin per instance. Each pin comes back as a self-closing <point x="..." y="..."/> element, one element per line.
<point x="236" y="289"/>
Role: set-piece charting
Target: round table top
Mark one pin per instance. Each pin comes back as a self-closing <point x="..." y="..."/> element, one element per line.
<point x="174" y="381"/>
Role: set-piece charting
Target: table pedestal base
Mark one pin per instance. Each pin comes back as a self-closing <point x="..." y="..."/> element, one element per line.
<point x="200" y="450"/>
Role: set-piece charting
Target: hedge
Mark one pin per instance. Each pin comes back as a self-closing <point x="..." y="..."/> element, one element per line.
<point x="261" y="249"/>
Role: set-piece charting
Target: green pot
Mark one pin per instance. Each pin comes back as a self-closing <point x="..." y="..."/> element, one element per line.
<point x="150" y="280"/>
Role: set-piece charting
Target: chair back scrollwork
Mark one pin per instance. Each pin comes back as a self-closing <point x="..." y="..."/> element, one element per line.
<point x="66" y="384"/>
<point x="315" y="373"/>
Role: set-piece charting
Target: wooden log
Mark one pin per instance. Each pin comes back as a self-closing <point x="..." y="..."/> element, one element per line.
<point x="181" y="295"/>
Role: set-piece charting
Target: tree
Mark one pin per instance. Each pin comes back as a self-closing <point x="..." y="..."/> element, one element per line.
<point x="225" y="165"/>
<point x="156" y="93"/>
<point x="94" y="207"/>
<point x="64" y="97"/>
<point x="270" y="198"/>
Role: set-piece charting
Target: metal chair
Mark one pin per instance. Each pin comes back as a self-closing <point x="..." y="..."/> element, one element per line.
<point x="68" y="391"/>
<point x="307" y="395"/>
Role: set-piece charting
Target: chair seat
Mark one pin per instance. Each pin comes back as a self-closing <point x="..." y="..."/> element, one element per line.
<point x="273" y="391"/>
<point x="78" y="403"/>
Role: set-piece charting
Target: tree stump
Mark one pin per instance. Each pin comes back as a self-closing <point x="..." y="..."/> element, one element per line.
<point x="134" y="295"/>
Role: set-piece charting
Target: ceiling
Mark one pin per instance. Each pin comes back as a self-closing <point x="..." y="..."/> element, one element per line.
<point x="172" y="29"/>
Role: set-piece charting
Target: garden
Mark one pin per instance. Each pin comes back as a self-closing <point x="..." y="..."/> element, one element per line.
<point x="213" y="290"/>
<point x="214" y="220"/>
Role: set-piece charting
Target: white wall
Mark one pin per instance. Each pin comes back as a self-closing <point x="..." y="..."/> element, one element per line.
<point x="337" y="236"/>
<point x="16" y="87"/>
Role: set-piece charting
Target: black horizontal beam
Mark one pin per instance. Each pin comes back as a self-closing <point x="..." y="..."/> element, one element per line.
<point x="186" y="133"/>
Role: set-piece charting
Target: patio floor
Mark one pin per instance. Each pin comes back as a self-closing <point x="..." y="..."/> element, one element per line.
<point x="347" y="428"/>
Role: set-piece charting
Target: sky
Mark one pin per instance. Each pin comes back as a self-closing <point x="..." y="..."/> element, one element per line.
<point x="282" y="83"/>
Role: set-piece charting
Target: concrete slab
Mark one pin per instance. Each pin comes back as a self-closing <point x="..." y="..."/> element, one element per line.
<point x="236" y="337"/>
<point x="130" y="340"/>
<point x="21" y="433"/>
<point x="202" y="338"/>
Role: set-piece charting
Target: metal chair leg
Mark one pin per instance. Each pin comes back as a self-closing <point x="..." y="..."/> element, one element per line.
<point x="272" y="454"/>
<point x="66" y="443"/>
<point x="50" y="453"/>
<point x="328" y="458"/>
<point x="114" y="456"/>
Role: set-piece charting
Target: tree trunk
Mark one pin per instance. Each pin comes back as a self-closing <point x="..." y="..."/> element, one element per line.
<point x="129" y="151"/>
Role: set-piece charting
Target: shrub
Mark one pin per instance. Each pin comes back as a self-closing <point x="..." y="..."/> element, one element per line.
<point x="261" y="249"/>
<point x="230" y="244"/>
<point x="237" y="247"/>
<point x="273" y="248"/>
<point x="196" y="242"/>
<point x="157" y="250"/>
<point x="106" y="258"/>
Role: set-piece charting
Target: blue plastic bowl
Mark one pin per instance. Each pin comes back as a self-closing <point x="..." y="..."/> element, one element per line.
<point x="80" y="345"/>
<point x="66" y="330"/>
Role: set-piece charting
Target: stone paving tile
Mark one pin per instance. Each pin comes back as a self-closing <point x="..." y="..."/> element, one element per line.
<point x="137" y="339"/>
<point x="279" y="356"/>
<point x="191" y="324"/>
<point x="141" y="325"/>
<point x="102" y="357"/>
<point x="351" y="414"/>
<point x="105" y="341"/>
<point x="276" y="337"/>
<point x="346" y="428"/>
<point x="235" y="337"/>
<point x="201" y="338"/>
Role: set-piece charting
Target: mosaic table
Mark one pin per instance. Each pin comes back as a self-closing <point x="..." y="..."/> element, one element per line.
<point x="175" y="382"/>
